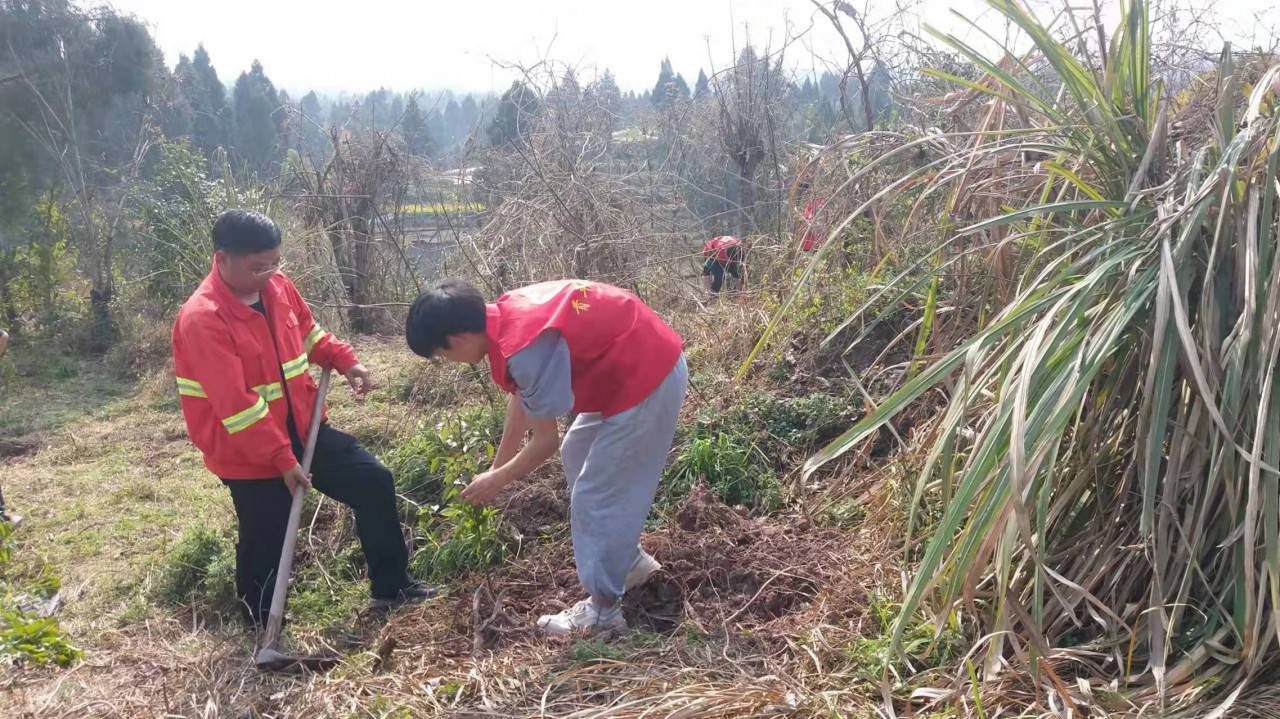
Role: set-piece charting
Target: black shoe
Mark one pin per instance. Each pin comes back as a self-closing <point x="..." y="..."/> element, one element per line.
<point x="413" y="594"/>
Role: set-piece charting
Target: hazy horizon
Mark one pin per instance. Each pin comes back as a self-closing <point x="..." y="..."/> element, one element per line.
<point x="403" y="45"/>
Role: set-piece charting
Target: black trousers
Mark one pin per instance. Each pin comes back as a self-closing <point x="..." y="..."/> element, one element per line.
<point x="343" y="470"/>
<point x="717" y="270"/>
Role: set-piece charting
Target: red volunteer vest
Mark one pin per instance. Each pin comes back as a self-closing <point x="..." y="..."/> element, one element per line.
<point x="810" y="241"/>
<point x="619" y="349"/>
<point x="720" y="247"/>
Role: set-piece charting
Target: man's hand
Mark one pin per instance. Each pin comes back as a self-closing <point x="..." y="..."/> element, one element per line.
<point x="484" y="488"/>
<point x="295" y="478"/>
<point x="360" y="380"/>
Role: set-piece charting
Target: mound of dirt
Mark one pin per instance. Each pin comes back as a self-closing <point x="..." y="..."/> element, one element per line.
<point x="536" y="508"/>
<point x="703" y="511"/>
<point x="18" y="447"/>
<point x="722" y="572"/>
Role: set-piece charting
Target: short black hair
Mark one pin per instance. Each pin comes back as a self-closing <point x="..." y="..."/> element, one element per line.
<point x="451" y="307"/>
<point x="241" y="232"/>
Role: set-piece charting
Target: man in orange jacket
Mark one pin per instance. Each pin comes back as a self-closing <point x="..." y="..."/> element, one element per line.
<point x="242" y="344"/>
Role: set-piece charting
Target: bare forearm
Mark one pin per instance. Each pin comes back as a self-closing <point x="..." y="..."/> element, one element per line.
<point x="540" y="447"/>
<point x="514" y="429"/>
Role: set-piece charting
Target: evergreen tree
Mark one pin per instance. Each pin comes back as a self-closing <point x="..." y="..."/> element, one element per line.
<point x="470" y="115"/>
<point x="452" y="124"/>
<point x="211" y="116"/>
<point x="376" y="112"/>
<point x="516" y="110"/>
<point x="681" y="87"/>
<point x="413" y="128"/>
<point x="437" y="133"/>
<point x="702" y="88"/>
<point x="609" y="94"/>
<point x="397" y="108"/>
<point x="259" y="118"/>
<point x="339" y="114"/>
<point x="311" y="127"/>
<point x="662" y="89"/>
<point x="829" y="87"/>
<point x="808" y="92"/>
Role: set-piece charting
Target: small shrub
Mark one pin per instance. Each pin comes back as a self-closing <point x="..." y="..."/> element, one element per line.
<point x="200" y="567"/>
<point x="28" y="638"/>
<point x="732" y="466"/>
<point x="431" y="469"/>
<point x="454" y="449"/>
<point x="922" y="643"/>
<point x="459" y="538"/>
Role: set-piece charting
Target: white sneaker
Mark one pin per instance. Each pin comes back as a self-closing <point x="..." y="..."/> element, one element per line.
<point x="641" y="569"/>
<point x="583" y="620"/>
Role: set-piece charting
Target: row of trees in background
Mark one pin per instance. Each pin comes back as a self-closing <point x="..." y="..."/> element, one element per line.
<point x="93" y="182"/>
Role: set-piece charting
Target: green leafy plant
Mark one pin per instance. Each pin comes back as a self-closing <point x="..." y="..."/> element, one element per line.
<point x="459" y="537"/>
<point x="923" y="645"/>
<point x="432" y="468"/>
<point x="435" y="457"/>
<point x="731" y="465"/>
<point x="27" y="638"/>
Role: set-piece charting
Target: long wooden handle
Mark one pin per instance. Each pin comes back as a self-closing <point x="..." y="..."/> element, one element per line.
<point x="276" y="618"/>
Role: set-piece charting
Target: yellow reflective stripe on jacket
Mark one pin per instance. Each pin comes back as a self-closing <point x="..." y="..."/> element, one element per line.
<point x="270" y="391"/>
<point x="190" y="388"/>
<point x="315" y="335"/>
<point x="245" y="419"/>
<point x="295" y="367"/>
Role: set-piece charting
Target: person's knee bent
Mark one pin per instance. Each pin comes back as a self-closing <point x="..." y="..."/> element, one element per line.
<point x="383" y="482"/>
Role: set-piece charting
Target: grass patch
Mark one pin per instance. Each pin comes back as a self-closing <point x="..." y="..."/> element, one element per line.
<point x="923" y="645"/>
<point x="200" y="570"/>
<point x="790" y="423"/>
<point x="731" y="464"/>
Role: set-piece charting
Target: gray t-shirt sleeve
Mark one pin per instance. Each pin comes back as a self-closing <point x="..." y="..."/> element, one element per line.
<point x="541" y="372"/>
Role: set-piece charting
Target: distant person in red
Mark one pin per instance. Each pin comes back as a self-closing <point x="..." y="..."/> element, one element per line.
<point x="724" y="255"/>
<point x="814" y="232"/>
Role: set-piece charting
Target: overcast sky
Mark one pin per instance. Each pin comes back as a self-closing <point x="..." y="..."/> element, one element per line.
<point x="333" y="46"/>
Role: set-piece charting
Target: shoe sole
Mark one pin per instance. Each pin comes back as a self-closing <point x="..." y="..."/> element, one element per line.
<point x="605" y="633"/>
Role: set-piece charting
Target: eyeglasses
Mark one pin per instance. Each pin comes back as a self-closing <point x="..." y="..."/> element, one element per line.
<point x="275" y="267"/>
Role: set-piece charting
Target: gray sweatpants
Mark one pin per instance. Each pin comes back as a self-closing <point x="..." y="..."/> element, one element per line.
<point x="613" y="466"/>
